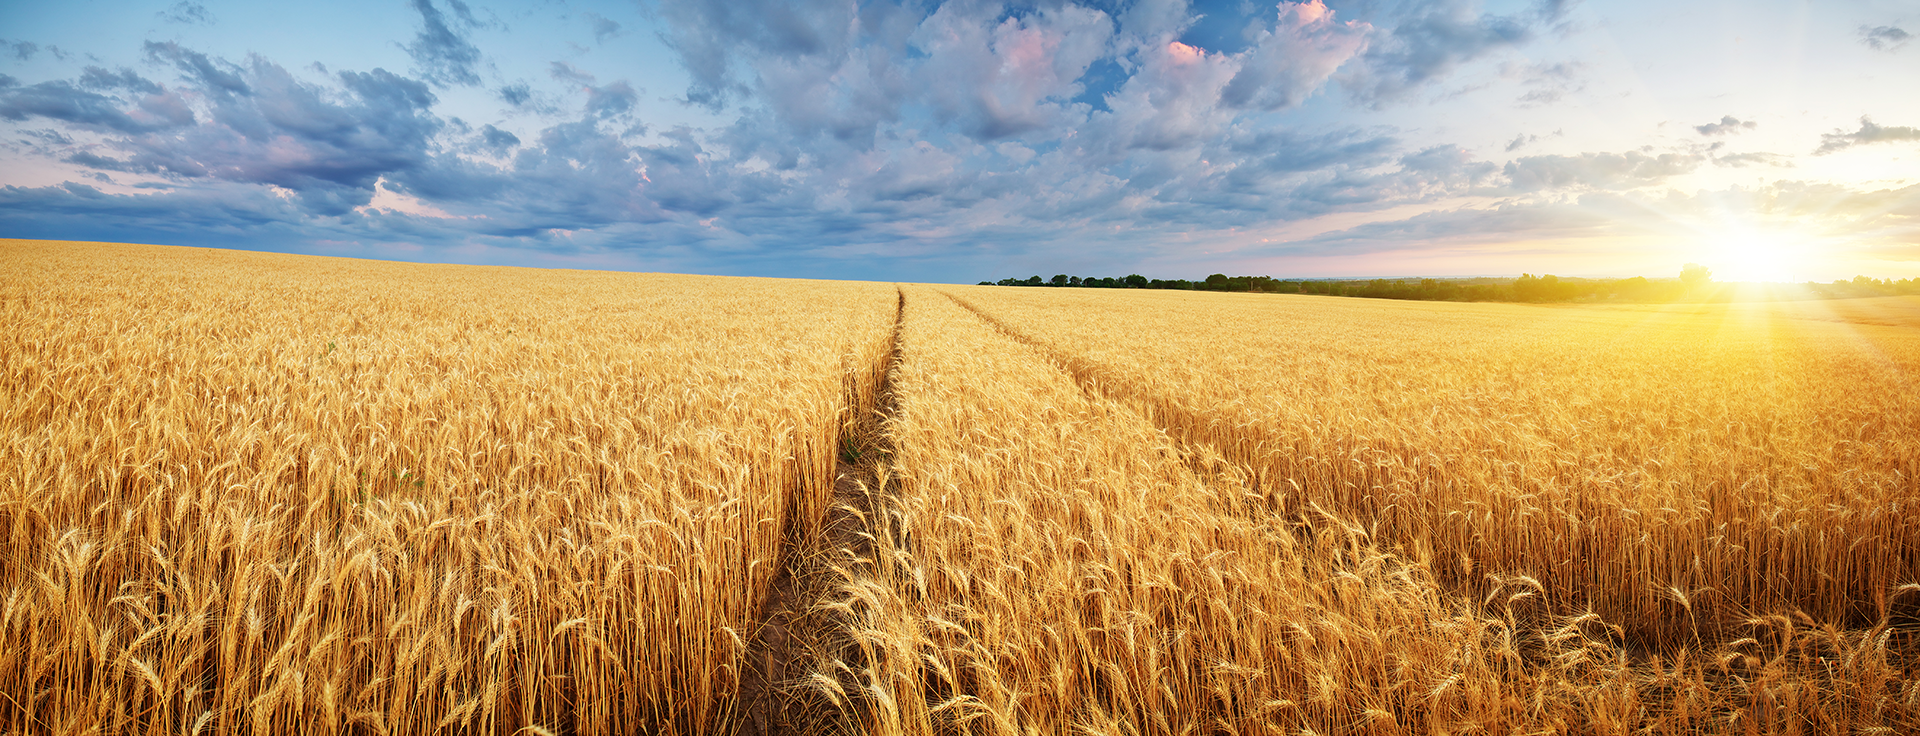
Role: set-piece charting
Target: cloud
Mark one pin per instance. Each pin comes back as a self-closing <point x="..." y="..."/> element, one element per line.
<point x="872" y="129"/>
<point x="324" y="147"/>
<point x="26" y="50"/>
<point x="77" y="210"/>
<point x="1728" y="124"/>
<point x="1743" y="160"/>
<point x="187" y="12"/>
<point x="1884" y="38"/>
<point x="1547" y="83"/>
<point x="444" y="55"/>
<point x="712" y="37"/>
<point x="1588" y="217"/>
<point x="1520" y="141"/>
<point x="1411" y="51"/>
<point x="565" y="72"/>
<point x="1295" y="58"/>
<point x="603" y="28"/>
<point x="1597" y="171"/>
<point x="94" y="77"/>
<point x="517" y="94"/>
<point x="1869" y="132"/>
<point x="218" y="77"/>
<point x="997" y="80"/>
<point x="63" y="101"/>
<point x="1887" y="215"/>
<point x="617" y="98"/>
<point x="498" y="141"/>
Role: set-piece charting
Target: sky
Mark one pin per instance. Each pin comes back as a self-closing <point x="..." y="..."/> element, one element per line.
<point x="965" y="141"/>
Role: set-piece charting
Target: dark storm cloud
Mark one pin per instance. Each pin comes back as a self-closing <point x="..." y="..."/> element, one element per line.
<point x="444" y="55"/>
<point x="1728" y="124"/>
<point x="1869" y="132"/>
<point x="1884" y="38"/>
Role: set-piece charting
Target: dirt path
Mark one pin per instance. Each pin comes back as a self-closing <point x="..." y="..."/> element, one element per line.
<point x="795" y="631"/>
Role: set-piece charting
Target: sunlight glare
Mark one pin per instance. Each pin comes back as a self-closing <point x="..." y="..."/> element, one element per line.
<point x="1752" y="255"/>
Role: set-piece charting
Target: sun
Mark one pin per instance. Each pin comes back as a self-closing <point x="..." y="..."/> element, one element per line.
<point x="1754" y="255"/>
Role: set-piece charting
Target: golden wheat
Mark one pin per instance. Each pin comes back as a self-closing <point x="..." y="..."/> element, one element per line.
<point x="1674" y="481"/>
<point x="1050" y="562"/>
<point x="245" y="493"/>
<point x="263" y="494"/>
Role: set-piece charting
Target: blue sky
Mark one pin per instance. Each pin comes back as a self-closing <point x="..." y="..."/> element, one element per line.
<point x="961" y="141"/>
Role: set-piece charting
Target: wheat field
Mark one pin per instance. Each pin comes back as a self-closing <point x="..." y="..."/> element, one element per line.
<point x="249" y="493"/>
<point x="266" y="494"/>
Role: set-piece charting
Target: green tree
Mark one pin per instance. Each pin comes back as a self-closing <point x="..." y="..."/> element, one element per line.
<point x="1694" y="274"/>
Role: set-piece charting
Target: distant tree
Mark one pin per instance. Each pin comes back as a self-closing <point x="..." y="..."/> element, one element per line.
<point x="1527" y="288"/>
<point x="1076" y="281"/>
<point x="986" y="283"/>
<point x="1694" y="274"/>
<point x="1059" y="279"/>
<point x="1136" y="281"/>
<point x="1034" y="280"/>
<point x="1217" y="282"/>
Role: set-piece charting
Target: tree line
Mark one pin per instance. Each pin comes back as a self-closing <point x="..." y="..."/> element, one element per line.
<point x="1694" y="283"/>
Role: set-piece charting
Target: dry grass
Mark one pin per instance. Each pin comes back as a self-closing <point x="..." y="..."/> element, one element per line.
<point x="243" y="493"/>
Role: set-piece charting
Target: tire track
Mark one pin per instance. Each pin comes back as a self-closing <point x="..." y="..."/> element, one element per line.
<point x="795" y="629"/>
<point x="1208" y="460"/>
